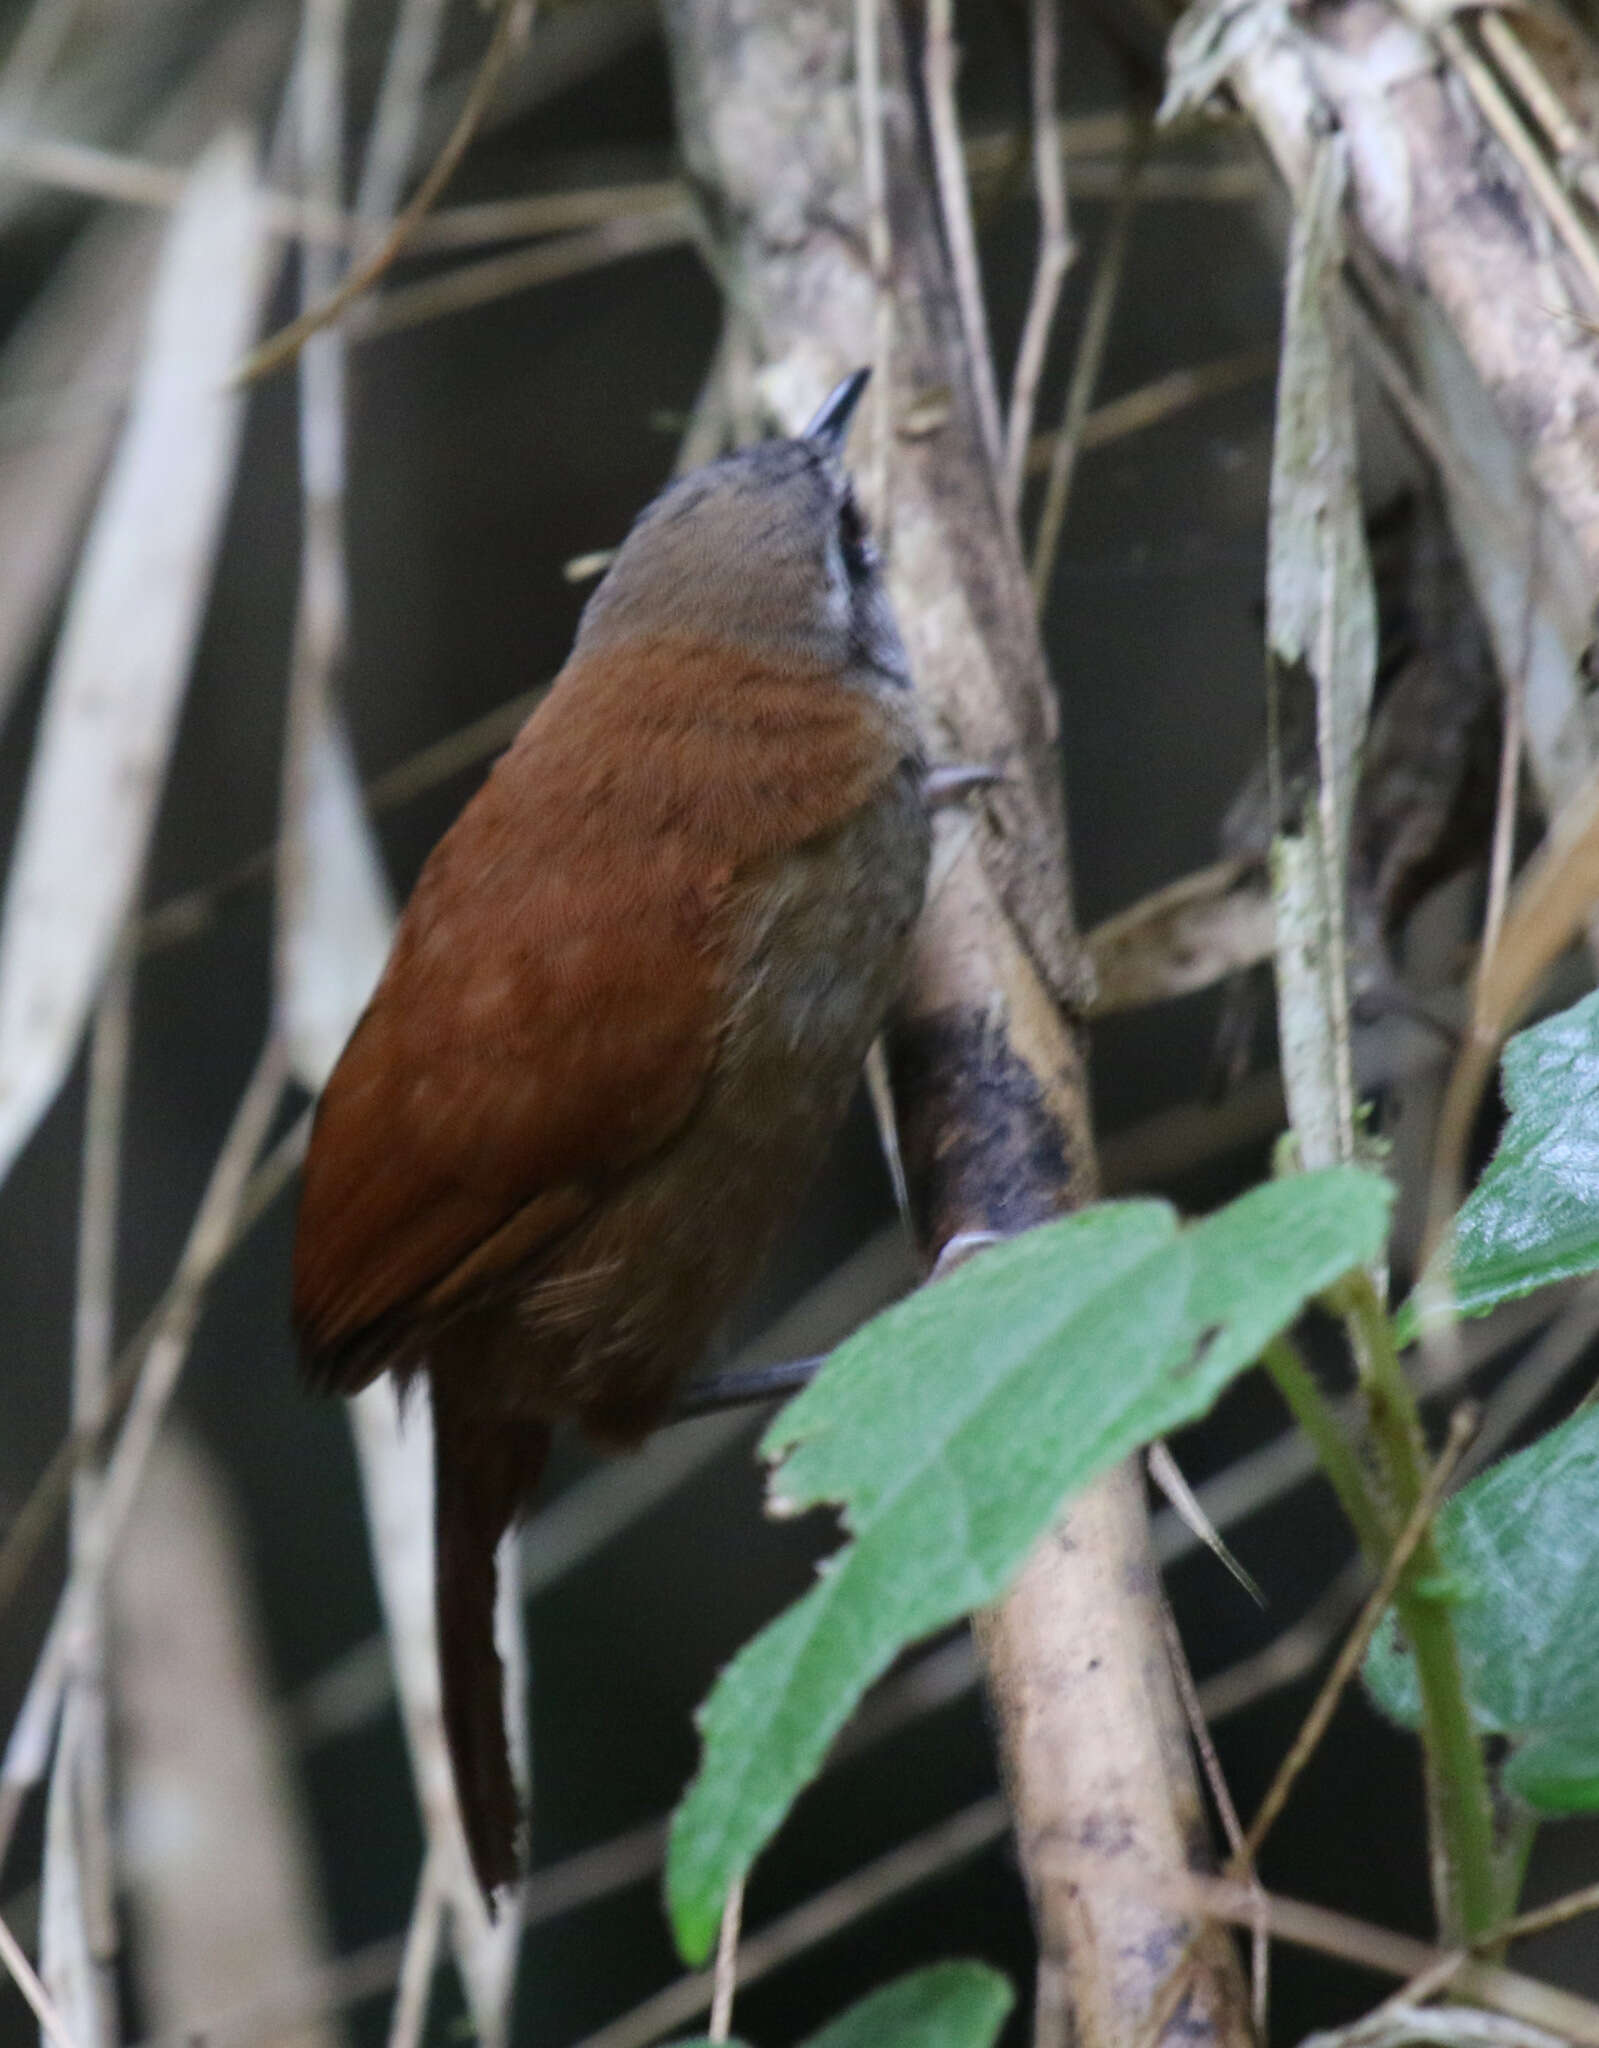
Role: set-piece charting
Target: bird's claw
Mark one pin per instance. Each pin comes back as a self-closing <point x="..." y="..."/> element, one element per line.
<point x="959" y="1248"/>
<point x="951" y="780"/>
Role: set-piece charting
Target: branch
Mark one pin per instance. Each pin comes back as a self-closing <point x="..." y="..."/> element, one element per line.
<point x="987" y="1073"/>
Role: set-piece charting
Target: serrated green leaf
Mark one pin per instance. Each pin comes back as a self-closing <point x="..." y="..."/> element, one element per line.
<point x="954" y="1427"/>
<point x="1521" y="1547"/>
<point x="948" y="2005"/>
<point x="1533" y="1218"/>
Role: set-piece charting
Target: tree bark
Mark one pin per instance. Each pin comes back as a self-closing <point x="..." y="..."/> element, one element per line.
<point x="986" y="1064"/>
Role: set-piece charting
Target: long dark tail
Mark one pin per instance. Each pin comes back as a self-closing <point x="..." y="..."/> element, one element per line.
<point x="484" y="1472"/>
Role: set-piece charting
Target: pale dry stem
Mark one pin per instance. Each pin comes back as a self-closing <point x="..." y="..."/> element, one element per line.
<point x="1221" y="1793"/>
<point x="422" y="1938"/>
<point x="1086" y="366"/>
<point x="23" y="1975"/>
<point x="1055" y="252"/>
<point x="726" y="1967"/>
<point x="1394" y="1955"/>
<point x="940" y="61"/>
<point x="28" y="1748"/>
<point x="880" y="255"/>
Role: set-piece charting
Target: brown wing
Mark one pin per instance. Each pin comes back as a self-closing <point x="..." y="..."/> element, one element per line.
<point x="556" y="993"/>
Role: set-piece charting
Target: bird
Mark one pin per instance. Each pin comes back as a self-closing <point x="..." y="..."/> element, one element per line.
<point x="623" y="1014"/>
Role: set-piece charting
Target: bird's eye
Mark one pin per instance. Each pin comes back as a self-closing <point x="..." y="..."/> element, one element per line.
<point x="854" y="542"/>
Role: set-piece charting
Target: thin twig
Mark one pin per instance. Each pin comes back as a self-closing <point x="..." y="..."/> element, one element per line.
<point x="1163" y="398"/>
<point x="1538" y="1918"/>
<point x="1498" y="111"/>
<point x="421" y="1954"/>
<point x="924" y="1857"/>
<point x="1347" y="1662"/>
<point x="547" y="213"/>
<point x="471" y="285"/>
<point x="51" y="1489"/>
<point x="1086" y="367"/>
<point x="1090" y="143"/>
<point x="27" y="1751"/>
<point x="512" y="19"/>
<point x="726" y="1970"/>
<point x="939" y="60"/>
<point x="1221" y="1793"/>
<point x="97" y="173"/>
<point x="1427" y="1983"/>
<point x="208" y="1239"/>
<point x="26" y="1980"/>
<point x="1055" y="252"/>
<point x="880" y="254"/>
<point x="136" y="181"/>
<point x="78" y="1916"/>
<point x="1571" y="147"/>
<point x="94" y="1305"/>
<point x="1395" y="1955"/>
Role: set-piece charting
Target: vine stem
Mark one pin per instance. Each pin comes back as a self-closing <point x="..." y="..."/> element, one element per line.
<point x="1356" y="1644"/>
<point x="1334" y="1452"/>
<point x="1465" y="1879"/>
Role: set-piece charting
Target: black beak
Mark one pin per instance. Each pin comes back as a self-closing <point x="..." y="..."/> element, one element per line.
<point x="830" y="427"/>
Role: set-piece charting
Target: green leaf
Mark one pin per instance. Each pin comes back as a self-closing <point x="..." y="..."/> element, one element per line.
<point x="953" y="1428"/>
<point x="1533" y="1218"/>
<point x="1520" y="1547"/>
<point x="949" y="2005"/>
<point x="1558" y="1772"/>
